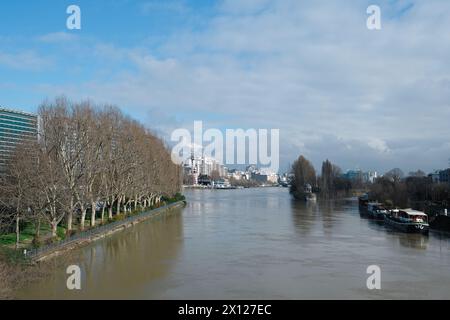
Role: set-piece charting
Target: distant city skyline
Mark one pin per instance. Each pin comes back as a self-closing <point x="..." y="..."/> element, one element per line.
<point x="374" y="100"/>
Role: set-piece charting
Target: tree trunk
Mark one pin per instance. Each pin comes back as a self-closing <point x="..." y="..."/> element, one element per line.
<point x="54" y="228"/>
<point x="37" y="233"/>
<point x="70" y="217"/>
<point x="119" y="199"/>
<point x="83" y="217"/>
<point x="17" y="230"/>
<point x="103" y="212"/>
<point x="110" y="209"/>
<point x="110" y="212"/>
<point x="93" y="207"/>
<point x="69" y="221"/>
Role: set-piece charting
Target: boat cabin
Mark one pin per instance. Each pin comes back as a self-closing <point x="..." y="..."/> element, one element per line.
<point x="410" y="215"/>
<point x="308" y="188"/>
<point x="363" y="200"/>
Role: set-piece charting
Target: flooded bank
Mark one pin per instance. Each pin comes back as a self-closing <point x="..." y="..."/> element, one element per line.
<point x="256" y="244"/>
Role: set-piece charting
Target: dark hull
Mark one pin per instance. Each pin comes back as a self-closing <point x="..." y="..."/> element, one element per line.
<point x="305" y="196"/>
<point x="441" y="223"/>
<point x="363" y="204"/>
<point x="407" y="227"/>
<point x="375" y="215"/>
<point x="366" y="213"/>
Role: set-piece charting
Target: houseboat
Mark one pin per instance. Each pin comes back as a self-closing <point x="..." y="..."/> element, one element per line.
<point x="441" y="222"/>
<point x="376" y="210"/>
<point x="363" y="200"/>
<point x="306" y="194"/>
<point x="311" y="197"/>
<point x="223" y="184"/>
<point x="408" y="220"/>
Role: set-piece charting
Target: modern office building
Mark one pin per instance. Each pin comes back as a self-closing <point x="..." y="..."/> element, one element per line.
<point x="444" y="176"/>
<point x="15" y="127"/>
<point x="354" y="175"/>
<point x="359" y="175"/>
<point x="440" y="176"/>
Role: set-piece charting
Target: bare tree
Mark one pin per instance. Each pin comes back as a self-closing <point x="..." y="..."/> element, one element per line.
<point x="86" y="157"/>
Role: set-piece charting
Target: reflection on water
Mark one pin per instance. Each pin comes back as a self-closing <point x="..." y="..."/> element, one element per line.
<point x="412" y="240"/>
<point x="115" y="267"/>
<point x="304" y="215"/>
<point x="416" y="241"/>
<point x="258" y="244"/>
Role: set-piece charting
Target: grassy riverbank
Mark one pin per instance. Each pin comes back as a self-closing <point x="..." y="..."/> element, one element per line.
<point x="29" y="240"/>
<point x="28" y="234"/>
<point x="94" y="234"/>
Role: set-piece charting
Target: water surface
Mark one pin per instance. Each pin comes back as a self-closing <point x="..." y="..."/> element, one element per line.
<point x="256" y="244"/>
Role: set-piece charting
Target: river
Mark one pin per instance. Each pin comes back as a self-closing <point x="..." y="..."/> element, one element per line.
<point x="256" y="244"/>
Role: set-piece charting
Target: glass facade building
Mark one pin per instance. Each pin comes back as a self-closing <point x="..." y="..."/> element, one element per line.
<point x="15" y="127"/>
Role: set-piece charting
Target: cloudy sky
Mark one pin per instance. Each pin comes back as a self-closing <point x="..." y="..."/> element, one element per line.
<point x="364" y="99"/>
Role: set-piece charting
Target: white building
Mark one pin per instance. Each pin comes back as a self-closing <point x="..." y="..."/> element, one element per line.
<point x="196" y="166"/>
<point x="236" y="174"/>
<point x="435" y="176"/>
<point x="272" y="177"/>
<point x="372" y="176"/>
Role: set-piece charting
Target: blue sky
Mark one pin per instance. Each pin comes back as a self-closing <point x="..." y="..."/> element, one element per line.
<point x="367" y="99"/>
<point x="35" y="33"/>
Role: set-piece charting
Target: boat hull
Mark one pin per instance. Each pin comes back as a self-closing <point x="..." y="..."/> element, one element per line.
<point x="408" y="227"/>
<point x="371" y="214"/>
<point x="308" y="197"/>
<point x="375" y="215"/>
<point x="441" y="223"/>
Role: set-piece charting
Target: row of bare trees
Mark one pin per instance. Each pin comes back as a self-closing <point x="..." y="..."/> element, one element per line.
<point x="416" y="190"/>
<point x="330" y="183"/>
<point x="88" y="163"/>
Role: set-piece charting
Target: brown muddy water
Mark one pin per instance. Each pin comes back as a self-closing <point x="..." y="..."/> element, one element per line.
<point x="256" y="244"/>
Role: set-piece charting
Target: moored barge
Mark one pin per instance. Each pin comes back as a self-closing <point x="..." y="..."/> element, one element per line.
<point x="408" y="220"/>
<point x="376" y="211"/>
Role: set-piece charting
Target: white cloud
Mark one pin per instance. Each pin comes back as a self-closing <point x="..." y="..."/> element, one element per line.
<point x="336" y="90"/>
<point x="57" y="37"/>
<point x="378" y="145"/>
<point x="241" y="7"/>
<point x="25" y="60"/>
<point x="168" y="6"/>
